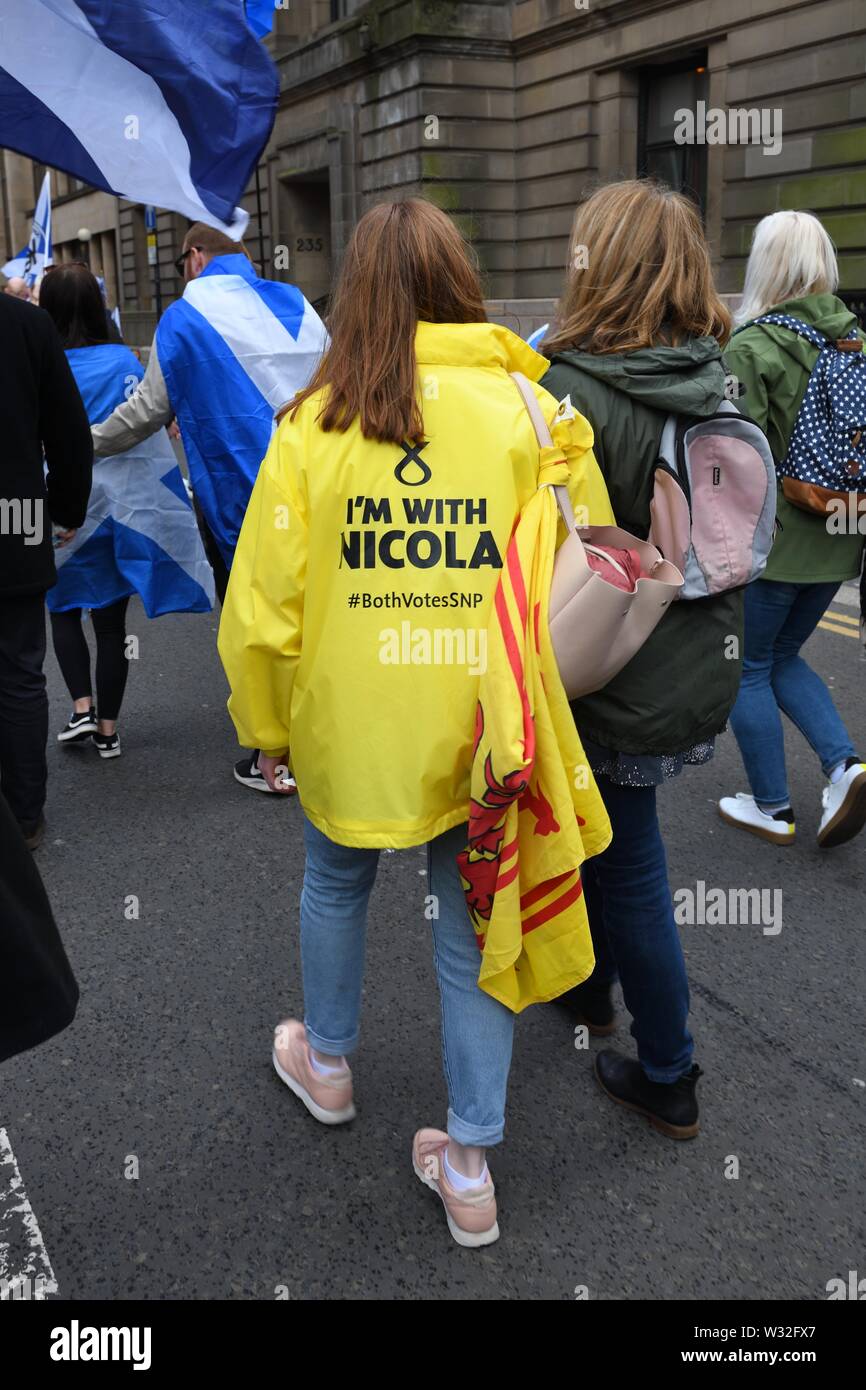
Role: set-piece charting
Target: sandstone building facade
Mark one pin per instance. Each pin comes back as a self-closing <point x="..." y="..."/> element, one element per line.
<point x="502" y="112"/>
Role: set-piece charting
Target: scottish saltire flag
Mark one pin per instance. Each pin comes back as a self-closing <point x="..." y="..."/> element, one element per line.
<point x="140" y="534"/>
<point x="161" y="101"/>
<point x="537" y="338"/>
<point x="233" y="351"/>
<point x="260" y="16"/>
<point x="36" y="256"/>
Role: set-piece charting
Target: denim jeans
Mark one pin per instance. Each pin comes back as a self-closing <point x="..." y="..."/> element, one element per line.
<point x="634" y="935"/>
<point x="477" y="1030"/>
<point x="779" y="619"/>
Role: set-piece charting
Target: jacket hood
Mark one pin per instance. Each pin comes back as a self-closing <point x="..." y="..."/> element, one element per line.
<point x="688" y="380"/>
<point x="823" y="311"/>
<point x="477" y="345"/>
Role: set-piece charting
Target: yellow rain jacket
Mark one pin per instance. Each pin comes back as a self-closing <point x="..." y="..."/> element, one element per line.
<point x="354" y="633"/>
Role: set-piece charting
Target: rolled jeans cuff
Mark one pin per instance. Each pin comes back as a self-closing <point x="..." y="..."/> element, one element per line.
<point x="666" y="1076"/>
<point x="329" y="1046"/>
<point x="478" y="1136"/>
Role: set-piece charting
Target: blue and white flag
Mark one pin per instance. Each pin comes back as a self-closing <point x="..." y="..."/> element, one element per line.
<point x="140" y="534"/>
<point x="260" y="16"/>
<point x="162" y="103"/>
<point x="36" y="256"/>
<point x="537" y="338"/>
<point x="233" y="351"/>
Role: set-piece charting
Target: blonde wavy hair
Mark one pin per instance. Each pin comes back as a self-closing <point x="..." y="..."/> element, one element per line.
<point x="639" y="274"/>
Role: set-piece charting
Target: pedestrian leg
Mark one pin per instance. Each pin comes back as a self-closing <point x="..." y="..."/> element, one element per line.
<point x="477" y="1031"/>
<point x="638" y="917"/>
<point x="112" y="665"/>
<point x="73" y="655"/>
<point x="755" y="718"/>
<point x="23" y="708"/>
<point x="800" y="691"/>
<point x="337" y="884"/>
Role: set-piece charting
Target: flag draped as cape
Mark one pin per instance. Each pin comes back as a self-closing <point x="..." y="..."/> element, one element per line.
<point x="140" y="534"/>
<point x="234" y="350"/>
<point x="536" y="813"/>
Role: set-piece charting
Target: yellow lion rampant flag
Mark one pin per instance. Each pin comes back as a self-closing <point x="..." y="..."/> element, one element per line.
<point x="536" y="812"/>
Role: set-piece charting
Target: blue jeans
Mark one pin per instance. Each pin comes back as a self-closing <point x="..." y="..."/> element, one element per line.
<point x="477" y="1030"/>
<point x="779" y="619"/>
<point x="634" y="935"/>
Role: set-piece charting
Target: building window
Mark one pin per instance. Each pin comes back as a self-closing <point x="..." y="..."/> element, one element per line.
<point x="663" y="92"/>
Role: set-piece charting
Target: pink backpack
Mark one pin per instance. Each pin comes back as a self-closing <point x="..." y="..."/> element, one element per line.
<point x="714" y="504"/>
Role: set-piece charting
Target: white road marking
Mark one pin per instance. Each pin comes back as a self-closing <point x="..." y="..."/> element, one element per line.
<point x="25" y="1269"/>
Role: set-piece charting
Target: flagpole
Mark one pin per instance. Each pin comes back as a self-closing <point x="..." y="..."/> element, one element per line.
<point x="260" y="217"/>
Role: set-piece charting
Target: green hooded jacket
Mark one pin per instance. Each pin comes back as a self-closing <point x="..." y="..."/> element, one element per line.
<point x="679" y="688"/>
<point x="774" y="365"/>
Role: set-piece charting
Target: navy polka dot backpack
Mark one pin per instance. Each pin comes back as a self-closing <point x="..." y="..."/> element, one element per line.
<point x="824" y="469"/>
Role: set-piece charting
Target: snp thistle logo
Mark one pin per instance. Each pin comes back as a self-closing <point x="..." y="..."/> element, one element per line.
<point x="412" y="456"/>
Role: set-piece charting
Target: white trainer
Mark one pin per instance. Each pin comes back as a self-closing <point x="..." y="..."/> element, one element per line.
<point x="741" y="810"/>
<point x="844" y="805"/>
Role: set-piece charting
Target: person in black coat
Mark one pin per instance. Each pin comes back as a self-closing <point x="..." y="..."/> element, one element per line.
<point x="38" y="992"/>
<point x="40" y="411"/>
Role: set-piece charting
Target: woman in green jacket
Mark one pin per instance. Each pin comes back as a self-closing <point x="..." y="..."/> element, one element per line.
<point x="638" y="336"/>
<point x="791" y="270"/>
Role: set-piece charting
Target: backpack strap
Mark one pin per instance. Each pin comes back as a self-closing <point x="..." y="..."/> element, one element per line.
<point x="545" y="441"/>
<point x="667" y="449"/>
<point x="803" y="330"/>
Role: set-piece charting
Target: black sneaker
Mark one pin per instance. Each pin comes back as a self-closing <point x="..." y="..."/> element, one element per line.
<point x="672" y="1109"/>
<point x="107" y="745"/>
<point x="249" y="774"/>
<point x="591" y="1005"/>
<point x="79" y="728"/>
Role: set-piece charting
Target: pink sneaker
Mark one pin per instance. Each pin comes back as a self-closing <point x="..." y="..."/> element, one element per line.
<point x="471" y="1215"/>
<point x="328" y="1098"/>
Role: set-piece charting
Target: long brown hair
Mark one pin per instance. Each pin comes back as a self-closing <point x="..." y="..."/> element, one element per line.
<point x="71" y="296"/>
<point x="639" y="273"/>
<point x="406" y="262"/>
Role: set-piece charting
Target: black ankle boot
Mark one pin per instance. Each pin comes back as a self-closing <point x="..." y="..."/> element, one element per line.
<point x="592" y="1005"/>
<point x="671" y="1108"/>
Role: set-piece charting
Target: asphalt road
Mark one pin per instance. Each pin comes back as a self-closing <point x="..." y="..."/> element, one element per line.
<point x="240" y="1194"/>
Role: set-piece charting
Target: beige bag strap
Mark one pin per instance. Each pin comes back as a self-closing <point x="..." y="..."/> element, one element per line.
<point x="545" y="441"/>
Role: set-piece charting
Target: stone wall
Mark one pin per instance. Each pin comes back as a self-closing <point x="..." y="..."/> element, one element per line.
<point x="504" y="112"/>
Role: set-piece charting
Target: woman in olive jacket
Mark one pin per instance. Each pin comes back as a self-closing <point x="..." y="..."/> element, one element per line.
<point x="791" y="271"/>
<point x="638" y="336"/>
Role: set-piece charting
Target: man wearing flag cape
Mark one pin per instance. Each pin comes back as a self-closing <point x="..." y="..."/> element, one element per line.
<point x="226" y="358"/>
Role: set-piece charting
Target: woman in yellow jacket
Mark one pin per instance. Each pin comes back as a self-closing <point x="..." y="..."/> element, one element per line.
<point x="353" y="634"/>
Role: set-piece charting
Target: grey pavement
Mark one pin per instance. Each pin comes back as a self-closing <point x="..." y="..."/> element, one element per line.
<point x="240" y="1194"/>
